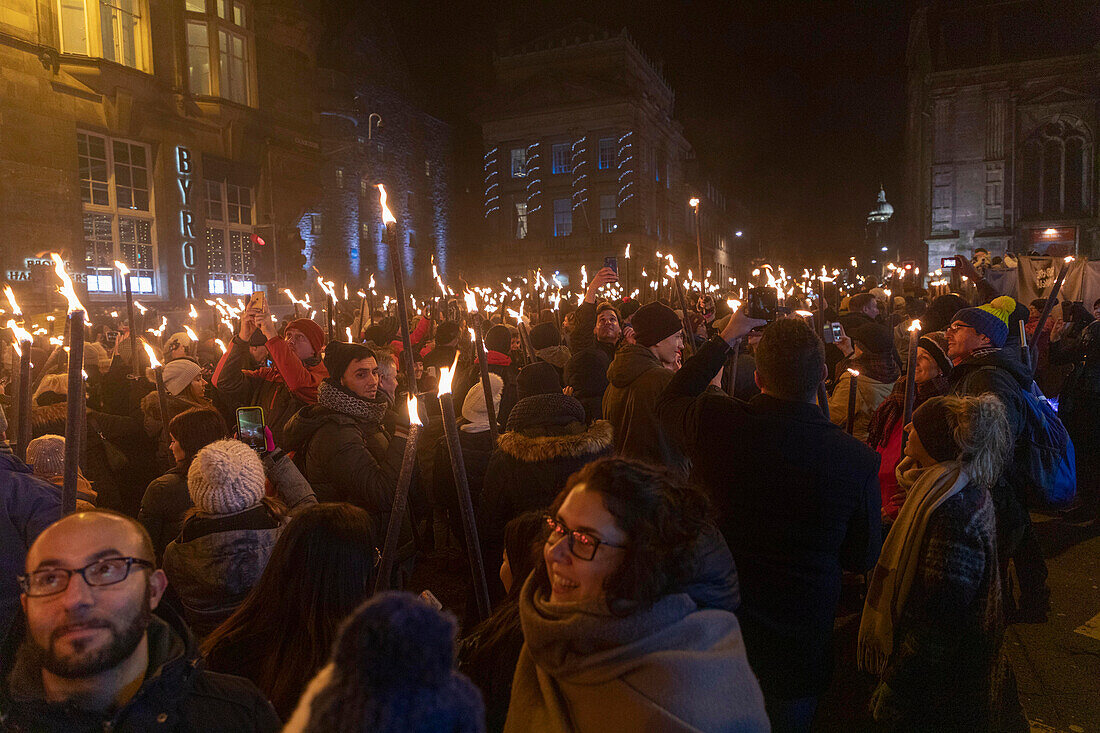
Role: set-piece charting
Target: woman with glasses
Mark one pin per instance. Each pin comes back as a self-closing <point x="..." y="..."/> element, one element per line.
<point x="610" y="642"/>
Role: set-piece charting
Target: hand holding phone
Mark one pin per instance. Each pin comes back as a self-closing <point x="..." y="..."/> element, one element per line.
<point x="762" y="304"/>
<point x="250" y="428"/>
<point x="612" y="263"/>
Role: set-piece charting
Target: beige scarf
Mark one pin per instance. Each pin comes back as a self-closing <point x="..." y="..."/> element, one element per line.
<point x="926" y="489"/>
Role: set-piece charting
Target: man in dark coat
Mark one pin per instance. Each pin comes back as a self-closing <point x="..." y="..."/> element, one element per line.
<point x="976" y="342"/>
<point x="797" y="500"/>
<point x="638" y="375"/>
<point x="95" y="657"/>
<point x="281" y="390"/>
<point x="596" y="333"/>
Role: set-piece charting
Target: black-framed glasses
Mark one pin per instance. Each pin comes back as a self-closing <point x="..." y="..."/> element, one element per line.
<point x="108" y="571"/>
<point x="582" y="545"/>
<point x="956" y="327"/>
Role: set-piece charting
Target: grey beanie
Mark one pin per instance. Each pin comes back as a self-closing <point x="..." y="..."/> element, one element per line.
<point x="46" y="455"/>
<point x="225" y="477"/>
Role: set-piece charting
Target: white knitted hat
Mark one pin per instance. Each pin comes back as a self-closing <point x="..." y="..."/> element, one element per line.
<point x="225" y="477"/>
<point x="179" y="373"/>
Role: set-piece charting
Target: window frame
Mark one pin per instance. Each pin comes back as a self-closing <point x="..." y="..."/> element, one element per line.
<point x="521" y="159"/>
<point x="224" y="223"/>
<point x="601" y="164"/>
<point x="216" y="26"/>
<point x="116" y="214"/>
<point x="93" y="32"/>
<point x="566" y="161"/>
<point x="564" y="226"/>
<point x="608" y="224"/>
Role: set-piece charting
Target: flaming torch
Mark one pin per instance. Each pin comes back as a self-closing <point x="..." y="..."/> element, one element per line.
<point x="400" y="500"/>
<point x="483" y="362"/>
<point x="162" y="393"/>
<point x="911" y="372"/>
<point x="76" y="415"/>
<point x="127" y="282"/>
<point x="1047" y="308"/>
<point x="399" y="288"/>
<point x="462" y="486"/>
<point x="22" y="346"/>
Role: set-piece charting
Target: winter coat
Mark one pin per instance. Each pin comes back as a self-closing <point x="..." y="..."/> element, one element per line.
<point x="281" y="390"/>
<point x="1000" y="372"/>
<point x="502" y="366"/>
<point x="668" y="668"/>
<point x="150" y="410"/>
<point x="476" y="449"/>
<point x="797" y="500"/>
<point x="177" y="694"/>
<point x="946" y="667"/>
<point x="163" y="507"/>
<point x="29" y="505"/>
<point x="525" y="473"/>
<point x="637" y="378"/>
<point x="1079" y="404"/>
<point x="586" y="370"/>
<point x="216" y="560"/>
<point x="869" y="395"/>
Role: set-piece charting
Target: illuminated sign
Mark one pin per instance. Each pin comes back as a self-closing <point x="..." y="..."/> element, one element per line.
<point x="185" y="169"/>
<point x="32" y="263"/>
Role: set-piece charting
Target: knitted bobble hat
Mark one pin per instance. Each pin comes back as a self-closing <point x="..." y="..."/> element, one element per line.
<point x="990" y="320"/>
<point x="225" y="477"/>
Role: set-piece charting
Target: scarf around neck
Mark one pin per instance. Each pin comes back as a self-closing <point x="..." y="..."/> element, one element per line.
<point x="338" y="399"/>
<point x="893" y="407"/>
<point x="892" y="578"/>
<point x="879" y="367"/>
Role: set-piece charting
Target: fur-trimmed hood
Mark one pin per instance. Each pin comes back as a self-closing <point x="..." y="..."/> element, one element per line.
<point x="532" y="449"/>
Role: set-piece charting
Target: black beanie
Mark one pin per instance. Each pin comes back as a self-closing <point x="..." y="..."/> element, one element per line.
<point x="537" y="378"/>
<point x="545" y="335"/>
<point x="499" y="339"/>
<point x="628" y="309"/>
<point x="935" y="425"/>
<point x="338" y="354"/>
<point x="875" y="338"/>
<point x="653" y="323"/>
<point x="931" y="344"/>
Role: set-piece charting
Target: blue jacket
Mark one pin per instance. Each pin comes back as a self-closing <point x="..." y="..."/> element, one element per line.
<point x="29" y="505"/>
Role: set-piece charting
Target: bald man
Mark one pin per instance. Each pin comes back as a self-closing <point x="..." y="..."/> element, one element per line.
<point x="95" y="657"/>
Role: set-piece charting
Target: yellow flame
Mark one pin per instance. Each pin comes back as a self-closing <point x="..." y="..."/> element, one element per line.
<point x="190" y="333"/>
<point x="1068" y="259"/>
<point x="66" y="288"/>
<point x="446" y="375"/>
<point x="628" y="250"/>
<point x="471" y="301"/>
<point x="21" y="334"/>
<point x="345" y="291"/>
<point x="153" y="361"/>
<point x="221" y="345"/>
<point x="140" y="307"/>
<point x="348" y="330"/>
<point x="193" y="313"/>
<point x="371" y="283"/>
<point x="853" y="372"/>
<point x="414" y="414"/>
<point x="387" y="215"/>
<point x="122" y="268"/>
<point x="915" y="325"/>
<point x="11" y="299"/>
<point x="734" y="304"/>
<point x="803" y="313"/>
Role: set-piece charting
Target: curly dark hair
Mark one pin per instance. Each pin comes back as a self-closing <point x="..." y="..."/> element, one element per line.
<point x="662" y="518"/>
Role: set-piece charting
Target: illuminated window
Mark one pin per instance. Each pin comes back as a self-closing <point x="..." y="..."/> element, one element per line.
<point x="116" y="30"/>
<point x="607" y="153"/>
<point x="521" y="220"/>
<point x="118" y="212"/>
<point x="219" y="38"/>
<point x="563" y="217"/>
<point x="519" y="162"/>
<point x="560" y="157"/>
<point x="608" y="213"/>
<point x="229" y="238"/>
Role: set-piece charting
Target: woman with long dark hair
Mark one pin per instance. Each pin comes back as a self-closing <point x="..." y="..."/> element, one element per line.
<point x="610" y="642"/>
<point x="321" y="569"/>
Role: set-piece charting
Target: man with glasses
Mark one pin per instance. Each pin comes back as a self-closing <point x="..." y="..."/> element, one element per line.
<point x="283" y="389"/>
<point x="595" y="337"/>
<point x="976" y="345"/>
<point x="95" y="657"/>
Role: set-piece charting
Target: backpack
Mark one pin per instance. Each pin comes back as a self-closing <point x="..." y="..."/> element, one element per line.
<point x="1050" y="475"/>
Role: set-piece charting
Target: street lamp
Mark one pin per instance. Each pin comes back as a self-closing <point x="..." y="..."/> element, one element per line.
<point x="693" y="202"/>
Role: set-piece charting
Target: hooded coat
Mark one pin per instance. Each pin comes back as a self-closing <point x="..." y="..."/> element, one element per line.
<point x="869" y="395"/>
<point x="637" y="379"/>
<point x="178" y="693"/>
<point x="670" y="668"/>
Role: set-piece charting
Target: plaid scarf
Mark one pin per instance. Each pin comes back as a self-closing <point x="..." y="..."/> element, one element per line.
<point x="893" y="407"/>
<point x="879" y="367"/>
<point x="338" y="399"/>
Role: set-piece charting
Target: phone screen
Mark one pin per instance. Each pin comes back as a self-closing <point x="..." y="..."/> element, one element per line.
<point x="947" y="262"/>
<point x="612" y="262"/>
<point x="763" y="303"/>
<point x="250" y="427"/>
<point x="838" y="331"/>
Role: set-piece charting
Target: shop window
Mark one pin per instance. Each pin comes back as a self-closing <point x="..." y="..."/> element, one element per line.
<point x="228" y="238"/>
<point x="116" y="30"/>
<point x="219" y="38"/>
<point x="118" y="213"/>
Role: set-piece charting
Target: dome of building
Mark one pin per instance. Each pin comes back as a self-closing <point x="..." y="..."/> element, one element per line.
<point x="882" y="211"/>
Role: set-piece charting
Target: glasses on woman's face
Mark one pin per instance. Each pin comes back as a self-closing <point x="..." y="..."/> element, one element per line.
<point x="108" y="571"/>
<point x="581" y="545"/>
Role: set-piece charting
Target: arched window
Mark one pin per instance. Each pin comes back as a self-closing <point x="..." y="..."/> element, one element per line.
<point x="1054" y="171"/>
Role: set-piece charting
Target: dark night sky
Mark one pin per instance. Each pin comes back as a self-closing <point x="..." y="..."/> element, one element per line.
<point x="796" y="106"/>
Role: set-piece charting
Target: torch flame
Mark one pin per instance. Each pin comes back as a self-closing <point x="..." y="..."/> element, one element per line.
<point x="803" y="313"/>
<point x="66" y="288"/>
<point x="446" y="375"/>
<point x="21" y="334"/>
<point x="387" y="215"/>
<point x="371" y="283"/>
<point x="915" y="325"/>
<point x="153" y="361"/>
<point x="628" y="250"/>
<point x="221" y="345"/>
<point x="471" y="301"/>
<point x="11" y="299"/>
<point x="1068" y="259"/>
<point x="122" y="268"/>
<point x="734" y="304"/>
<point x="191" y="334"/>
<point x="414" y="416"/>
<point x="853" y="372"/>
<point x="140" y="307"/>
<point x="193" y="313"/>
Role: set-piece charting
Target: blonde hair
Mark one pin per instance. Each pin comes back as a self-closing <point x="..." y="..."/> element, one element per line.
<point x="983" y="435"/>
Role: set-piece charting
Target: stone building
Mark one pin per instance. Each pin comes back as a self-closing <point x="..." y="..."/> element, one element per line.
<point x="1001" y="128"/>
<point x="165" y="133"/>
<point x="582" y="155"/>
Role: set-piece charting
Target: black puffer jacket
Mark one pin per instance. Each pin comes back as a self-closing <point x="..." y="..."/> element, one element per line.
<point x="630" y="405"/>
<point x="178" y="694"/>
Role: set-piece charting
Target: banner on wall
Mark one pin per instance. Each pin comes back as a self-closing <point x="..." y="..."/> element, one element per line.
<point x="1034" y="278"/>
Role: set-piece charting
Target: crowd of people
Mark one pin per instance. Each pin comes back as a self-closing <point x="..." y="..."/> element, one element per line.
<point x="672" y="507"/>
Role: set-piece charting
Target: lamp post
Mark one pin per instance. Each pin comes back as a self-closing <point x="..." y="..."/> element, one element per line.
<point x="693" y="202"/>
